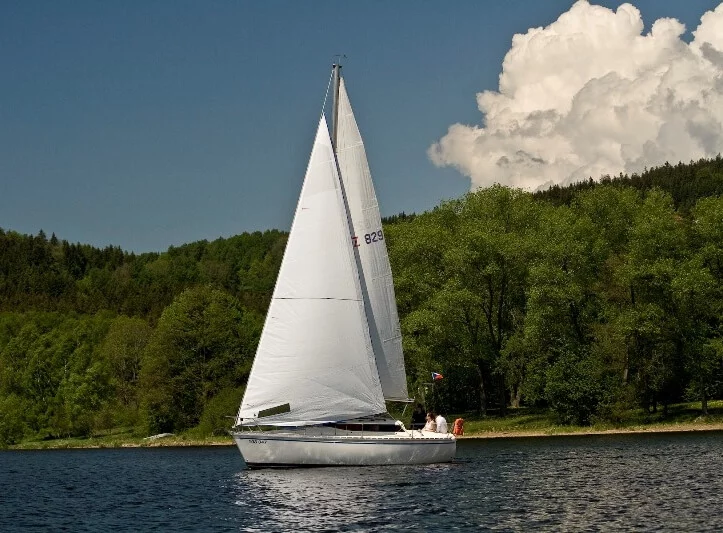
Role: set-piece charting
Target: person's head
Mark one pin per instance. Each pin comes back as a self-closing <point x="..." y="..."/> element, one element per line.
<point x="430" y="415"/>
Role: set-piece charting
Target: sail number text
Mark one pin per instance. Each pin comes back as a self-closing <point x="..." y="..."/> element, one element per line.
<point x="374" y="236"/>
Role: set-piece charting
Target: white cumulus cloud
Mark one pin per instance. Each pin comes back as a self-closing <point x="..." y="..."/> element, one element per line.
<point x="590" y="94"/>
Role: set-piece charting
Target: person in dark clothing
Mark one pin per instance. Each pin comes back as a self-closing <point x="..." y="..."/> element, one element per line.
<point x="418" y="417"/>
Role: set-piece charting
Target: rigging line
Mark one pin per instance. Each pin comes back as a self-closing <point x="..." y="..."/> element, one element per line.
<point x="328" y="85"/>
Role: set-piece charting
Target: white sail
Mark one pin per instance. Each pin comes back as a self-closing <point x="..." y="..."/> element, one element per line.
<point x="376" y="273"/>
<point x="315" y="362"/>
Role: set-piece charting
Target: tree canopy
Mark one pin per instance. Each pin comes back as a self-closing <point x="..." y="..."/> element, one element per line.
<point x="587" y="300"/>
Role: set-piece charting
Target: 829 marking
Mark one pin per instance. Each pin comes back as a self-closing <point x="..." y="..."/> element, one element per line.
<point x="374" y="236"/>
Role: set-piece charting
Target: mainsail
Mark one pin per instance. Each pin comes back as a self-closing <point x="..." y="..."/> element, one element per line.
<point x="315" y="361"/>
<point x="376" y="273"/>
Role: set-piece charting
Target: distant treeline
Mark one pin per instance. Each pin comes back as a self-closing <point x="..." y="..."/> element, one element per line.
<point x="686" y="184"/>
<point x="41" y="274"/>
<point x="588" y="299"/>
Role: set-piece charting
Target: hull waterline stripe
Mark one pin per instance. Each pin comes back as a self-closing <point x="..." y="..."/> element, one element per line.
<point x="259" y="466"/>
<point x="356" y="440"/>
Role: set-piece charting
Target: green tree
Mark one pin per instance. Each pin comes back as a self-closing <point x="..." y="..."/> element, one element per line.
<point x="215" y="419"/>
<point x="656" y="249"/>
<point x="122" y="351"/>
<point x="12" y="419"/>
<point x="574" y="388"/>
<point x="204" y="342"/>
<point x="464" y="267"/>
<point x="697" y="288"/>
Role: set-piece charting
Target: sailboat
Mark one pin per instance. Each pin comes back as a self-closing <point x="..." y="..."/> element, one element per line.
<point x="330" y="354"/>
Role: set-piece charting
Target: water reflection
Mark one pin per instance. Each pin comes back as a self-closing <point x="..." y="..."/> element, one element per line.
<point x="628" y="483"/>
<point x="624" y="483"/>
<point x="661" y="483"/>
<point x="338" y="499"/>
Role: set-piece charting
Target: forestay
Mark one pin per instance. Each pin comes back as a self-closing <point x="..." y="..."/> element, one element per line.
<point x="376" y="273"/>
<point x="315" y="352"/>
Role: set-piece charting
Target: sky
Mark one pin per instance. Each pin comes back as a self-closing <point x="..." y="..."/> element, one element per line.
<point x="157" y="123"/>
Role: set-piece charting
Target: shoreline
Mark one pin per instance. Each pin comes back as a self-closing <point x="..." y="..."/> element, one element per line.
<point x="181" y="442"/>
<point x="633" y="430"/>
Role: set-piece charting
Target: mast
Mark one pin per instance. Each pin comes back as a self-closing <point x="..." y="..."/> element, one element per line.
<point x="335" y="110"/>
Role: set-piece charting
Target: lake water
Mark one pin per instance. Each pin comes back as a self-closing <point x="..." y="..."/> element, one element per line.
<point x="670" y="482"/>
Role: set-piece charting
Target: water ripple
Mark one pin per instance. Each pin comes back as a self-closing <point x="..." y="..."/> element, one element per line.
<point x="602" y="483"/>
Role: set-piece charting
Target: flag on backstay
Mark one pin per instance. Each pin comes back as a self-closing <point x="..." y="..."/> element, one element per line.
<point x="436" y="376"/>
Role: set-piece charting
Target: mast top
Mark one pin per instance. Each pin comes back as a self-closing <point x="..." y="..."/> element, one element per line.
<point x="336" y="67"/>
<point x="337" y="60"/>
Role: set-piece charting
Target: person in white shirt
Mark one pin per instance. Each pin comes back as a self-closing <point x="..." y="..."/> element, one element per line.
<point x="441" y="424"/>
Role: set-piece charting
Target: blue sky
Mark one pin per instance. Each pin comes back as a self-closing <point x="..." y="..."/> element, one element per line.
<point x="150" y="124"/>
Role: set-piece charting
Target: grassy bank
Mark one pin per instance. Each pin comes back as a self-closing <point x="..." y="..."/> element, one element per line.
<point x="517" y="423"/>
<point x="530" y="422"/>
<point x="123" y="438"/>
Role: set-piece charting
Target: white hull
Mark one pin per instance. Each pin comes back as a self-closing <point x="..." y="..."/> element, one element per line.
<point x="327" y="447"/>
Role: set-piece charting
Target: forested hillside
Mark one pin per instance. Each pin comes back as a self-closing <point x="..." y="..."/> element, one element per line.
<point x="41" y="274"/>
<point x="686" y="184"/>
<point x="92" y="339"/>
<point x="589" y="300"/>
